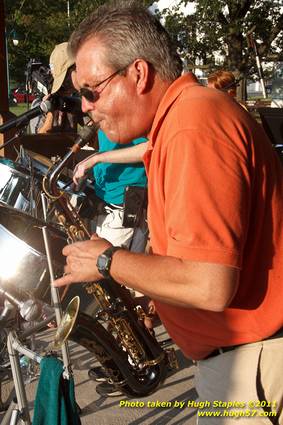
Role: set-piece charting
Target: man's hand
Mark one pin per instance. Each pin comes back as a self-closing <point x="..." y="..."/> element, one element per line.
<point x="81" y="261"/>
<point x="80" y="170"/>
<point x="82" y="167"/>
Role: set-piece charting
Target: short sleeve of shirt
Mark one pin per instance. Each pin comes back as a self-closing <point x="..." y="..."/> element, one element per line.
<point x="207" y="199"/>
<point x="111" y="179"/>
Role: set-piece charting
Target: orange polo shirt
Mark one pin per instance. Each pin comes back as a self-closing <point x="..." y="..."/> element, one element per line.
<point x="215" y="190"/>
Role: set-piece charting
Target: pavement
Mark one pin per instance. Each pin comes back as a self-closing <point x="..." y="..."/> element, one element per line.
<point x="167" y="405"/>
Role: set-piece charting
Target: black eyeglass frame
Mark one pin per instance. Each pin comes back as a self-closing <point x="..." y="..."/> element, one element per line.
<point x="91" y="95"/>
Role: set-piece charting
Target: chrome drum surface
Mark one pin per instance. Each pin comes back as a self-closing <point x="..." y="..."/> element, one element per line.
<point x="20" y="187"/>
<point x="23" y="263"/>
<point x="16" y="184"/>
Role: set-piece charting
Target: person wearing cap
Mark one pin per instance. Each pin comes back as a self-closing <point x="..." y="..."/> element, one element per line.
<point x="61" y="65"/>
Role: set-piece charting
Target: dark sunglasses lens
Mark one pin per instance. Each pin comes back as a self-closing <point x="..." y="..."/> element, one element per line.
<point x="88" y="95"/>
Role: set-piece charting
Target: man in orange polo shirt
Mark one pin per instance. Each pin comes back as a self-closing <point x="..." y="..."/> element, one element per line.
<point x="215" y="209"/>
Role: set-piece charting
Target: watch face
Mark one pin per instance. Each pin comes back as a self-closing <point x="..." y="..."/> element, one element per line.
<point x="102" y="262"/>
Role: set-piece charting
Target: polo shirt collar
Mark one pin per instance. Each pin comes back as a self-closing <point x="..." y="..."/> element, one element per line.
<point x="172" y="93"/>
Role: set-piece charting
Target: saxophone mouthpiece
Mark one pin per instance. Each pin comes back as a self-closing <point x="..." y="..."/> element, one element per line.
<point x="86" y="134"/>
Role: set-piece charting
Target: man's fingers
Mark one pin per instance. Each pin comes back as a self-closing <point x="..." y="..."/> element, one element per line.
<point x="63" y="281"/>
<point x="73" y="249"/>
<point x="67" y="249"/>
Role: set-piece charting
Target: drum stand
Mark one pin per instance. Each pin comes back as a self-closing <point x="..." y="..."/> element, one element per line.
<point x="18" y="412"/>
<point x="12" y="139"/>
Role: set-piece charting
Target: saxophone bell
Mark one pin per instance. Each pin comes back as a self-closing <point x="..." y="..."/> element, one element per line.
<point x="66" y="325"/>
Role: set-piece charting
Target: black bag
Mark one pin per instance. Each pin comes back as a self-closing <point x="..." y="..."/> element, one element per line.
<point x="135" y="201"/>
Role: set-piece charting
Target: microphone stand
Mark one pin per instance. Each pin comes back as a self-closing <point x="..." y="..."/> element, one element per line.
<point x="18" y="133"/>
<point x="55" y="295"/>
<point x="18" y="409"/>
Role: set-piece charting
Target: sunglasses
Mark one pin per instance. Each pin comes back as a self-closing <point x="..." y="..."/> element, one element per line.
<point x="91" y="95"/>
<point x="232" y="85"/>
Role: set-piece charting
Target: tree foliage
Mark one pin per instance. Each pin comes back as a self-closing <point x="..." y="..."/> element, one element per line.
<point x="40" y="25"/>
<point x="219" y="28"/>
<point x="215" y="27"/>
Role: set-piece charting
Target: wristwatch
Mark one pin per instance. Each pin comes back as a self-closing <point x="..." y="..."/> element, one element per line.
<point x="104" y="261"/>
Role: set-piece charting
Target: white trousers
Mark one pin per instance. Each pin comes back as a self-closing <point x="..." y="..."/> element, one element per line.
<point x="250" y="377"/>
<point x="109" y="226"/>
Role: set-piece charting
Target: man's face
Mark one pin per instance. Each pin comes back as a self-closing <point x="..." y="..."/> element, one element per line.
<point x="110" y="104"/>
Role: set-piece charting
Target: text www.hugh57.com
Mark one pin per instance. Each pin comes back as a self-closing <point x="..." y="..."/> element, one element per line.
<point x="236" y="413"/>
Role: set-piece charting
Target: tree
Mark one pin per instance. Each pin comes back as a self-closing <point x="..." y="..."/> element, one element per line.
<point x="39" y="25"/>
<point x="219" y="28"/>
<point x="216" y="28"/>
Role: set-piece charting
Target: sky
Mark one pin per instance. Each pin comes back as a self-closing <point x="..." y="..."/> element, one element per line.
<point x="162" y="4"/>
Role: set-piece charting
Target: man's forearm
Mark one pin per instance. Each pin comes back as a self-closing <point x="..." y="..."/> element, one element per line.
<point x="47" y="125"/>
<point x="123" y="156"/>
<point x="175" y="281"/>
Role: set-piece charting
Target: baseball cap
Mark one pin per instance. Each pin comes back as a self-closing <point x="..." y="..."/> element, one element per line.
<point x="60" y="62"/>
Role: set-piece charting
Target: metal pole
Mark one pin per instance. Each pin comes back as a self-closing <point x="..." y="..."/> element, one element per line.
<point x="57" y="305"/>
<point x="252" y="44"/>
<point x="7" y="64"/>
<point x="11" y="415"/>
<point x="260" y="71"/>
<point x="4" y="104"/>
<point x="54" y="292"/>
<point x="18" y="380"/>
<point x="18" y="409"/>
<point x="68" y="12"/>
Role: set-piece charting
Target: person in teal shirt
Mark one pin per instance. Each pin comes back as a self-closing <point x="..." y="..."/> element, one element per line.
<point x="115" y="167"/>
<point x="112" y="178"/>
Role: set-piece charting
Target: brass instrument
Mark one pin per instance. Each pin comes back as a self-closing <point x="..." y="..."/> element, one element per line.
<point x="129" y="353"/>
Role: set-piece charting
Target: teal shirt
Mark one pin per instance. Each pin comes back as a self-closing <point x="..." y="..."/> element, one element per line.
<point x="111" y="179"/>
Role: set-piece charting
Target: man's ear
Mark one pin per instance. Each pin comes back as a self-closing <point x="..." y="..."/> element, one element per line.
<point x="142" y="74"/>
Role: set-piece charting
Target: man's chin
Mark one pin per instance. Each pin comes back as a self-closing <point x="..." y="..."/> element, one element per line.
<point x="122" y="139"/>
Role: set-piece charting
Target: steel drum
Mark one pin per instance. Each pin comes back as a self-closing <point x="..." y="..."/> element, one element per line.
<point x="23" y="265"/>
<point x="20" y="188"/>
<point x="16" y="184"/>
<point x="23" y="262"/>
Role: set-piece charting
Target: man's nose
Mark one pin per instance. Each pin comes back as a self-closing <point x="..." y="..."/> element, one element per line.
<point x="87" y="106"/>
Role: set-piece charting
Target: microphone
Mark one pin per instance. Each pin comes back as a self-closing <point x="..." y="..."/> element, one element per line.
<point x="85" y="135"/>
<point x="23" y="119"/>
<point x="31" y="310"/>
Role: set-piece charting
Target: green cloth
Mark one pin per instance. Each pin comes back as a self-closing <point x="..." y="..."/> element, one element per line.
<point x="55" y="402"/>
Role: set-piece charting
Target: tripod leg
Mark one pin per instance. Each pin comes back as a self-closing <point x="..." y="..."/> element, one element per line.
<point x="18" y="381"/>
<point x="11" y="415"/>
<point x="3" y="407"/>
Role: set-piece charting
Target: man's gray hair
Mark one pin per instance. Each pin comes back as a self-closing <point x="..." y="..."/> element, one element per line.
<point x="129" y="31"/>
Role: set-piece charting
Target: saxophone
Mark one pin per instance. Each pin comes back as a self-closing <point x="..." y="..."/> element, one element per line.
<point x="130" y="355"/>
